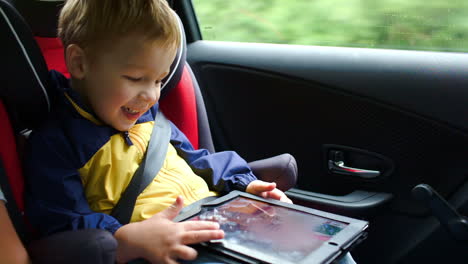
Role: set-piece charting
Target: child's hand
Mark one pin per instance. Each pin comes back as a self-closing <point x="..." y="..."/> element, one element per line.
<point x="160" y="240"/>
<point x="267" y="190"/>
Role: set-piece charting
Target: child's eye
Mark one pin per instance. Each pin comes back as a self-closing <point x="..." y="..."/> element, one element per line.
<point x="133" y="79"/>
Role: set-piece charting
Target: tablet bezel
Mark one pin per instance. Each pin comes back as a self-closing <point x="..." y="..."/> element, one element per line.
<point x="326" y="253"/>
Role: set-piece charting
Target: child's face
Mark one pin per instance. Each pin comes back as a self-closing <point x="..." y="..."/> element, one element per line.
<point x="124" y="80"/>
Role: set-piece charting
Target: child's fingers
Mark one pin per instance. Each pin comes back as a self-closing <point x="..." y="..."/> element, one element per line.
<point x="257" y="187"/>
<point x="198" y="236"/>
<point x="172" y="211"/>
<point x="278" y="195"/>
<point x="266" y="186"/>
<point x="274" y="195"/>
<point x="199" y="225"/>
<point x="285" y="199"/>
<point x="184" y="252"/>
<point x="167" y="260"/>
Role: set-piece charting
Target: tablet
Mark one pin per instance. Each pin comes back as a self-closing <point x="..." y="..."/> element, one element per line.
<point x="261" y="230"/>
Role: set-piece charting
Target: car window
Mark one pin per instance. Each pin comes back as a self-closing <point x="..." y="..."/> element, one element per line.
<point x="439" y="25"/>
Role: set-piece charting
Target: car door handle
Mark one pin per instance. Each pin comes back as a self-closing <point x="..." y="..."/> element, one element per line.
<point x="341" y="168"/>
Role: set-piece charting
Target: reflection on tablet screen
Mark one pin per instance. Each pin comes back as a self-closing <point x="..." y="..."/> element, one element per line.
<point x="276" y="231"/>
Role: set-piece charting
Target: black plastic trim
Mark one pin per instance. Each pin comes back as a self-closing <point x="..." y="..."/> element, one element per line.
<point x="187" y="14"/>
<point x="357" y="202"/>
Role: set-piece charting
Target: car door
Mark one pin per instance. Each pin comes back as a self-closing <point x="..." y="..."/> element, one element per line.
<point x="366" y="125"/>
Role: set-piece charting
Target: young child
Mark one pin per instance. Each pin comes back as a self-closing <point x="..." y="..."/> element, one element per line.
<point x="82" y="159"/>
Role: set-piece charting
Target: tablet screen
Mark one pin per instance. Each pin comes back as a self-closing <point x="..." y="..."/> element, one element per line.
<point x="275" y="231"/>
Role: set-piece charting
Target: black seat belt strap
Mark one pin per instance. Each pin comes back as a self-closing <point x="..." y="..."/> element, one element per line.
<point x="149" y="168"/>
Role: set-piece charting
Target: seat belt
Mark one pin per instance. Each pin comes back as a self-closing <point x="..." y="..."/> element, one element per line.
<point x="147" y="171"/>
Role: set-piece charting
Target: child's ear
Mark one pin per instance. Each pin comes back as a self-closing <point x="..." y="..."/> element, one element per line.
<point x="75" y="60"/>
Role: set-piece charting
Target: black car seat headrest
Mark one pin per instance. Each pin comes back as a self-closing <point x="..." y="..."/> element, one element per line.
<point x="23" y="71"/>
<point x="42" y="16"/>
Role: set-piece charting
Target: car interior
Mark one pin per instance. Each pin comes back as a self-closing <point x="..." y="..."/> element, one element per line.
<point x="375" y="134"/>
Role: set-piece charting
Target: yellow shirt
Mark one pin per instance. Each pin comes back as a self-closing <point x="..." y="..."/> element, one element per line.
<point x="107" y="174"/>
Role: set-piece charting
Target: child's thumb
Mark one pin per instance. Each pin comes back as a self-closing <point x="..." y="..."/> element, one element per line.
<point x="172" y="211"/>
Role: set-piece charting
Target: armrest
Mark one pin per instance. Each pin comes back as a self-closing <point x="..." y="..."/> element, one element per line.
<point x="79" y="246"/>
<point x="281" y="169"/>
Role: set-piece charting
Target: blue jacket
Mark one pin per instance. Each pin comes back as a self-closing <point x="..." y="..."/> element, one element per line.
<point x="58" y="151"/>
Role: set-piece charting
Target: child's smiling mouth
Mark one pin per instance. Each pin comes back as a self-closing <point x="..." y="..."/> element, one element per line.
<point x="129" y="110"/>
<point x="130" y="113"/>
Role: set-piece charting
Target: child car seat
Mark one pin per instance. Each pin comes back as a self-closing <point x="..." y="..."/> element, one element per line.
<point x="24" y="92"/>
<point x="23" y="101"/>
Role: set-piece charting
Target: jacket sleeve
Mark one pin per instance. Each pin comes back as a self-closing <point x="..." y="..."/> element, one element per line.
<point x="55" y="199"/>
<point x="223" y="171"/>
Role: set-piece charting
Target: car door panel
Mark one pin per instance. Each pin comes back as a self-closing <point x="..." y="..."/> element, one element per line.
<point x="275" y="110"/>
<point x="409" y="107"/>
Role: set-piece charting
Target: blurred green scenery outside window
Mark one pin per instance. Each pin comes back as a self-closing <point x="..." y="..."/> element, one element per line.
<point x="435" y="25"/>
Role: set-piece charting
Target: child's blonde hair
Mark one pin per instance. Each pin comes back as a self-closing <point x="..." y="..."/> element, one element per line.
<point x="88" y="23"/>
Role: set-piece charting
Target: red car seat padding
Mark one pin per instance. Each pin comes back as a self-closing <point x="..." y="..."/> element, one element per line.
<point x="52" y="50"/>
<point x="9" y="158"/>
<point x="180" y="107"/>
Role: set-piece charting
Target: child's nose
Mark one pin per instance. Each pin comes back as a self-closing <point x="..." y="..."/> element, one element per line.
<point x="151" y="94"/>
